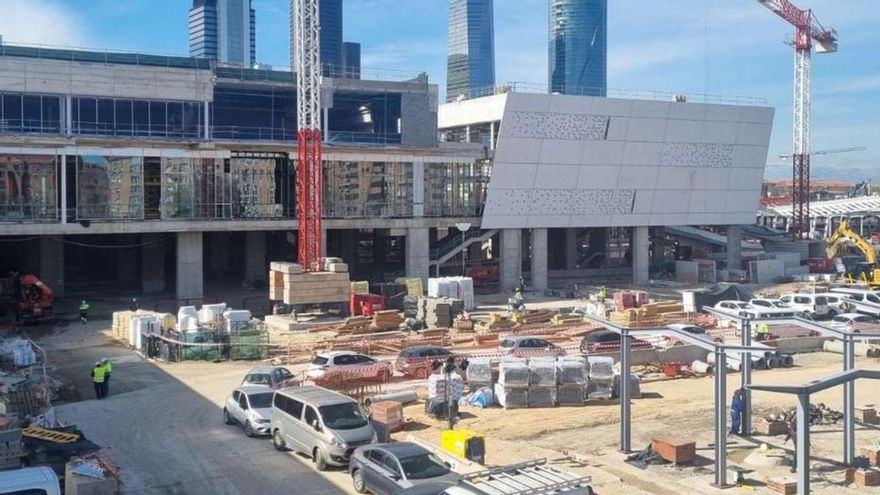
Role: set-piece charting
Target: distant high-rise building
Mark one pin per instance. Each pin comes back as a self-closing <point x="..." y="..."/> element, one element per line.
<point x="330" y="15"/>
<point x="223" y="30"/>
<point x="351" y="59"/>
<point x="470" y="61"/>
<point x="578" y="47"/>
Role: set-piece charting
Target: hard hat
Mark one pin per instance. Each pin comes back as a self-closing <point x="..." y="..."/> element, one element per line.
<point x="104" y="360"/>
<point x="83" y="301"/>
<point x="97" y="363"/>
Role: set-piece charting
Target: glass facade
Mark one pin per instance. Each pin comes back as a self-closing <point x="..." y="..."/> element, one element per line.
<point x="455" y="189"/>
<point x="28" y="188"/>
<point x="330" y="14"/>
<point x="363" y="189"/>
<point x="137" y="118"/>
<point x="109" y="188"/>
<point x="30" y="113"/>
<point x="250" y="113"/>
<point x="578" y="47"/>
<point x="470" y="65"/>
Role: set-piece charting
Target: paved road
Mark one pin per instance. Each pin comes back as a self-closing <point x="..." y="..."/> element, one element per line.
<point x="163" y="425"/>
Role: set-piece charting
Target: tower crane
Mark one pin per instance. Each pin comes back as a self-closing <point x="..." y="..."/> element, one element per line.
<point x="830" y="152"/>
<point x="807" y="30"/>
<point x="306" y="62"/>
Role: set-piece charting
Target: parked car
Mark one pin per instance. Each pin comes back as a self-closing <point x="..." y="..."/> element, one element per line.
<point x="746" y="310"/>
<point x="867" y="301"/>
<point x="838" y="303"/>
<point x="274" y="377"/>
<point x="30" y="481"/>
<point x="814" y="305"/>
<point x="322" y="424"/>
<point x="251" y="407"/>
<point x="768" y="303"/>
<point x="360" y="364"/>
<point x="851" y="319"/>
<point x="602" y="338"/>
<point x="416" y="361"/>
<point x="387" y="468"/>
<point x="529" y="347"/>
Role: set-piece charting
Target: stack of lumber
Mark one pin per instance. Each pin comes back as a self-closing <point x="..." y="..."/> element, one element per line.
<point x="463" y="323"/>
<point x="354" y="325"/>
<point x="438" y="312"/>
<point x="565" y="319"/>
<point x="121" y="325"/>
<point x="497" y="321"/>
<point x="386" y="320"/>
<point x="298" y="287"/>
<point x="652" y="314"/>
<point x="533" y="316"/>
<point x="783" y="484"/>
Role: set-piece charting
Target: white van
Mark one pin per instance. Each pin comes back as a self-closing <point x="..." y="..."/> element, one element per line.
<point x="323" y="424"/>
<point x="810" y="304"/>
<point x="869" y="301"/>
<point x="30" y="481"/>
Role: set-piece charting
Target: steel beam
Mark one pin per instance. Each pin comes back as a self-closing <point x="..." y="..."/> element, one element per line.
<point x="720" y="418"/>
<point x="849" y="397"/>
<point x="802" y="448"/>
<point x="746" y="379"/>
<point x="625" y="402"/>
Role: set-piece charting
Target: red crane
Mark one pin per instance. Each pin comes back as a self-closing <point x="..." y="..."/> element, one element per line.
<point x="306" y="54"/>
<point x="808" y="29"/>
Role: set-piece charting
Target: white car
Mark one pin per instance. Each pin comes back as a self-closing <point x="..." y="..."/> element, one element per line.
<point x="851" y="319"/>
<point x="746" y="310"/>
<point x="837" y="303"/>
<point x="810" y="304"/>
<point x="251" y="407"/>
<point x="768" y="303"/>
<point x="360" y="364"/>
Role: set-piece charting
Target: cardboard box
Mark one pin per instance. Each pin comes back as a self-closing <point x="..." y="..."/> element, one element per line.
<point x="770" y="428"/>
<point x="674" y="450"/>
<point x="867" y="477"/>
<point x="866" y="414"/>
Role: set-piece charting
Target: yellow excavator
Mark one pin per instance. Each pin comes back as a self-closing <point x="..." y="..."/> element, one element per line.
<point x="868" y="271"/>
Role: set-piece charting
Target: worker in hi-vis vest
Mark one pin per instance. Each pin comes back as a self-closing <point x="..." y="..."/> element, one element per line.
<point x="108" y="369"/>
<point x="99" y="374"/>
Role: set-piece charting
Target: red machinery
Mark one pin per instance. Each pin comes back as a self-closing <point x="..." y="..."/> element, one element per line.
<point x="365" y="304"/>
<point x="28" y="297"/>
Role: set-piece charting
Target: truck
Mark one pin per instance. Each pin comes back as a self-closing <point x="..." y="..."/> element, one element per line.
<point x="528" y="478"/>
<point x="26" y="298"/>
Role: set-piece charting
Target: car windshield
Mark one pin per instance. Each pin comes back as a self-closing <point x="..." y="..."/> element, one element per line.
<point x="841" y="319"/>
<point x="258" y="379"/>
<point x="780" y="304"/>
<point x="260" y="401"/>
<point x="319" y="360"/>
<point x="422" y="467"/>
<point x="347" y="416"/>
<point x="507" y="343"/>
<point x="766" y="304"/>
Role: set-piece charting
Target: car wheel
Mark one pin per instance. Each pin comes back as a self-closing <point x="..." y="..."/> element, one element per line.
<point x="249" y="429"/>
<point x="227" y="419"/>
<point x="320" y="461"/>
<point x="278" y="441"/>
<point x="357" y="479"/>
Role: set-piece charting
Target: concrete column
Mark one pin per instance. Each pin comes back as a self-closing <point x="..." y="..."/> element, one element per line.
<point x="640" y="246"/>
<point x="153" y="265"/>
<point x="734" y="247"/>
<point x="63" y="186"/>
<point x="511" y="258"/>
<point x="190" y="276"/>
<point x="418" y="254"/>
<point x="539" y="259"/>
<point x="418" y="188"/>
<point x="206" y="108"/>
<point x="571" y="248"/>
<point x="255" y="266"/>
<point x="68" y="115"/>
<point x="52" y="264"/>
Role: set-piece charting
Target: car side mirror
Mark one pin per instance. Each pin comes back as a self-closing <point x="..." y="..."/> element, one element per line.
<point x="395" y="476"/>
<point x="316" y="425"/>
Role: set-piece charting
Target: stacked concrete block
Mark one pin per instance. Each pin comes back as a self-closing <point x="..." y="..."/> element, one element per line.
<point x="512" y="389"/>
<point x="542" y="382"/>
<point x="438" y="312"/>
<point x="295" y="286"/>
<point x="601" y="377"/>
<point x="571" y="378"/>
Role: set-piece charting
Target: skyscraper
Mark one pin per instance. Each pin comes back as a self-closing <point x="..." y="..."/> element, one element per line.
<point x="223" y="30"/>
<point x="578" y="47"/>
<point x="330" y="13"/>
<point x="470" y="61"/>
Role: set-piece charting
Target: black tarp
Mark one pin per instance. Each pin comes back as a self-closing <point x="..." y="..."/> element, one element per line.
<point x="721" y="292"/>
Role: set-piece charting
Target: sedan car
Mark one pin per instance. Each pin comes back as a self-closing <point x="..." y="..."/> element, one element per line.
<point x="326" y="363"/>
<point x="851" y="319"/>
<point x="251" y="407"/>
<point x="387" y="468"/>
<point x="417" y="360"/>
<point x="529" y="347"/>
<point x="273" y="377"/>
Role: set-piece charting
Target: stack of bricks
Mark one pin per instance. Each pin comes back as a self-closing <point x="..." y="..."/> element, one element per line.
<point x="784" y="484"/>
<point x="872" y="453"/>
<point x="288" y="282"/>
<point x="867" y="477"/>
<point x="866" y="414"/>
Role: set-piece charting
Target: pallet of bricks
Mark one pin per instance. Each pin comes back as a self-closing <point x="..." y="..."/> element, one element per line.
<point x="289" y="283"/>
<point x="652" y="314"/>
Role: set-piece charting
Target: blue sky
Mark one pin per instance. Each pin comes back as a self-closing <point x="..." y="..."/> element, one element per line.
<point x="653" y="44"/>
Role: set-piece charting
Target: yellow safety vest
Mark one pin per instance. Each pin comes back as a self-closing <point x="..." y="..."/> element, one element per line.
<point x="763" y="328"/>
<point x="108" y="368"/>
<point x="98" y="374"/>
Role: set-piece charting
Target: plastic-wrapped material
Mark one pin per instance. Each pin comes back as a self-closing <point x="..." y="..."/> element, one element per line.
<point x="479" y="370"/>
<point x="211" y="313"/>
<point x="599" y="390"/>
<point x="635" y="386"/>
<point x="237" y="315"/>
<point x="542" y="372"/>
<point x="570" y="395"/>
<point x="437" y="386"/>
<point x="601" y="367"/>
<point x="512" y="397"/>
<point x="140" y="325"/>
<point x="571" y="370"/>
<point x="188" y="324"/>
<point x="187" y="311"/>
<point x="513" y="371"/>
<point x="542" y="397"/>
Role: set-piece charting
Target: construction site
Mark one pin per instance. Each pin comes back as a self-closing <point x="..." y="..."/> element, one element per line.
<point x="327" y="281"/>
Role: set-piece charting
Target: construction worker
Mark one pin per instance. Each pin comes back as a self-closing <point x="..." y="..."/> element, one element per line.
<point x="134" y="305"/>
<point x="98" y="378"/>
<point x="603" y="294"/>
<point x="83" y="311"/>
<point x="736" y="410"/>
<point x="108" y="369"/>
<point x="763" y="332"/>
<point x="792" y="435"/>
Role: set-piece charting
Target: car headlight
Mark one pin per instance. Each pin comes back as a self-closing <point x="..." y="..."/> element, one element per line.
<point x="334" y="442"/>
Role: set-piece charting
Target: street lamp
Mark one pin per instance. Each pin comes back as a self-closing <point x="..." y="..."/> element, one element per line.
<point x="463" y="227"/>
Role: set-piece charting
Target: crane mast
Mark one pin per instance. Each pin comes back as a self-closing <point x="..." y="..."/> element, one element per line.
<point x="807" y="30"/>
<point x="306" y="63"/>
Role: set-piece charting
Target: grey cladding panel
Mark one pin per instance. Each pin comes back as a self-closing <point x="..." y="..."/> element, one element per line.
<point x="564" y="201"/>
<point x="548" y="125"/>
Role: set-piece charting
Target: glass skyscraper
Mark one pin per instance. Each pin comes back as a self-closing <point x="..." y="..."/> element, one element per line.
<point x="223" y="30"/>
<point x="332" y="50"/>
<point x="470" y="62"/>
<point x="578" y="47"/>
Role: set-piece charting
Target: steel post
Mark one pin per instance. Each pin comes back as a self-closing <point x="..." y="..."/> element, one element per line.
<point x="849" y="433"/>
<point x="720" y="418"/>
<point x="746" y="379"/>
<point x="802" y="449"/>
<point x="625" y="413"/>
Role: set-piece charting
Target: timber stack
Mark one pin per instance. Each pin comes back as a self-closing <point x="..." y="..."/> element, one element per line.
<point x="289" y="283"/>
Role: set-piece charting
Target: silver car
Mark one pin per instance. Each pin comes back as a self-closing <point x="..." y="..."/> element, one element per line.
<point x="388" y="468"/>
<point x="251" y="407"/>
<point x="321" y="423"/>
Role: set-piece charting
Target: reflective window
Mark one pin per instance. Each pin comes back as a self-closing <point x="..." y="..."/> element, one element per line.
<point x="28" y="188"/>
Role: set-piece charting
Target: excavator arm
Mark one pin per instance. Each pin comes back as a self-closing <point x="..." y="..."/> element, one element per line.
<point x="843" y="235"/>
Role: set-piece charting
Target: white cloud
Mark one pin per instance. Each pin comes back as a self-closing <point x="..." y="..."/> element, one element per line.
<point x="41" y="21"/>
